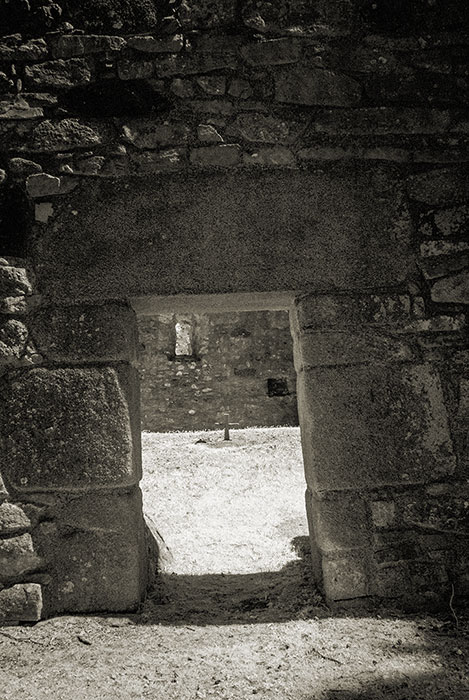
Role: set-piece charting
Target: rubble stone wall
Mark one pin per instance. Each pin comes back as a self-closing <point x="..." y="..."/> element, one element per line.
<point x="241" y="363"/>
<point x="168" y="148"/>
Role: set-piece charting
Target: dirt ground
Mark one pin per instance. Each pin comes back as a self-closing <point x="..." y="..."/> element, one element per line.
<point x="235" y="613"/>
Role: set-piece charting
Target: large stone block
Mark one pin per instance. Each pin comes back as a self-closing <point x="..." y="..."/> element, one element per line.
<point x="95" y="552"/>
<point x="17" y="557"/>
<point x="343" y="228"/>
<point x="21" y="603"/>
<point x="331" y="348"/>
<point x="345" y="576"/>
<point x="85" y="333"/>
<point x="336" y="312"/>
<point x="70" y="429"/>
<point x="364" y="426"/>
<point x="339" y="521"/>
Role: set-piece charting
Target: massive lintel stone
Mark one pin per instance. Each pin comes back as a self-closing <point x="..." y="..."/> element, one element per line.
<point x="69" y="429"/>
<point x="215" y="233"/>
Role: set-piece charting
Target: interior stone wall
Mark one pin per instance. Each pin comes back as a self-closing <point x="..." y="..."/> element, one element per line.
<point x="165" y="149"/>
<point x="233" y="357"/>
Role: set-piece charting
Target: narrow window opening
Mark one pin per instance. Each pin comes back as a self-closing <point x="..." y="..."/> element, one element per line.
<point x="183" y="344"/>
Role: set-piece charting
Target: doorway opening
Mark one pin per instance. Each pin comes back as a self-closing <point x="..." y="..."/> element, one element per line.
<point x="228" y="514"/>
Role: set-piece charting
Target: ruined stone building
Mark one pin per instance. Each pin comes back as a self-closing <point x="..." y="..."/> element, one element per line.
<point x="244" y="156"/>
<point x="196" y="367"/>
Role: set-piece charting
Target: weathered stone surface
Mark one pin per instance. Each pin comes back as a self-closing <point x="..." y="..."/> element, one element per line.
<point x="135" y="70"/>
<point x="443" y="265"/>
<point x="144" y="133"/>
<point x="170" y="160"/>
<point x="327" y="311"/>
<point x="85" y="333"/>
<point x="271" y="52"/>
<point x="42" y="185"/>
<point x="382" y="120"/>
<point x="17" y="557"/>
<point x="14" y="281"/>
<point x="71" y="45"/>
<point x="263" y="128"/>
<point x="182" y="88"/>
<point x="13" y="340"/>
<point x="224" y="155"/>
<point x="330" y="348"/>
<point x="249" y="215"/>
<point x="276" y="157"/>
<point x="20" y="168"/>
<point x="58" y="74"/>
<point x="13" y="519"/>
<point x="372" y="425"/>
<point x="383" y="513"/>
<point x="194" y="64"/>
<point x="345" y="576"/>
<point x="440" y="187"/>
<point x="70" y="429"/>
<point x="13" y="305"/>
<point x="453" y="221"/>
<point x="19" y="109"/>
<point x="212" y="84"/>
<point x="21" y="603"/>
<point x="240" y="89"/>
<point x="339" y="521"/>
<point x="13" y="49"/>
<point x="95" y="553"/>
<point x="208" y="133"/>
<point x="43" y="211"/>
<point x="63" y="135"/>
<point x="150" y="44"/>
<point x="453" y="289"/>
<point x="312" y="86"/>
<point x="203" y="13"/>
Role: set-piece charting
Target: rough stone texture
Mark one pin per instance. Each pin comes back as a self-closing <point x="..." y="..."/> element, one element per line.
<point x="13" y="519"/>
<point x="339" y="521"/>
<point x="273" y="52"/>
<point x="85" y="333"/>
<point x="102" y="568"/>
<point x="13" y="340"/>
<point x="320" y="349"/>
<point x="17" y="557"/>
<point x="221" y="156"/>
<point x="148" y="134"/>
<point x="454" y="289"/>
<point x="371" y="425"/>
<point x="21" y="603"/>
<point x="345" y="128"/>
<point x="14" y="281"/>
<point x="58" y="74"/>
<point x="62" y="135"/>
<point x="445" y="186"/>
<point x="304" y="86"/>
<point x="234" y="356"/>
<point x="47" y="411"/>
<point x="345" y="576"/>
<point x="262" y="243"/>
